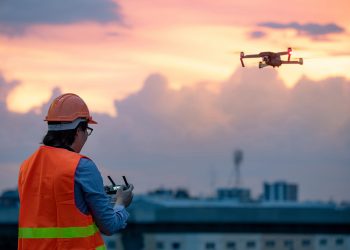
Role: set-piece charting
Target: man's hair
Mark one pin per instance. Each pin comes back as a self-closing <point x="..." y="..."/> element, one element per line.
<point x="62" y="138"/>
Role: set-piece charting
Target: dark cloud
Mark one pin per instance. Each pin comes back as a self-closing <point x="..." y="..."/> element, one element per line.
<point x="17" y="15"/>
<point x="309" y="29"/>
<point x="257" y="34"/>
<point x="186" y="137"/>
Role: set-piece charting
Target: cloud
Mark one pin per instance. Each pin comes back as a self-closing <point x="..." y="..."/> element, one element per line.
<point x="18" y="132"/>
<point x="257" y="34"/>
<point x="308" y="29"/>
<point x="5" y="89"/>
<point x="179" y="137"/>
<point x="172" y="138"/>
<point x="16" y="15"/>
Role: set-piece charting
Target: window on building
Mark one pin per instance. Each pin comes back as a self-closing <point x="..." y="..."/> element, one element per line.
<point x="339" y="242"/>
<point x="270" y="243"/>
<point x="210" y="245"/>
<point x="251" y="244"/>
<point x="306" y="243"/>
<point x="231" y="245"/>
<point x="288" y="243"/>
<point x="176" y="245"/>
<point x="159" y="245"/>
<point x="323" y="242"/>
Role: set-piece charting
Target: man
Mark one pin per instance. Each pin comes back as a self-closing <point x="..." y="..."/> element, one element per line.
<point x="63" y="204"/>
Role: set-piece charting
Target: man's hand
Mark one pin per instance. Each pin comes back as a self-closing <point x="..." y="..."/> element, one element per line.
<point x="124" y="197"/>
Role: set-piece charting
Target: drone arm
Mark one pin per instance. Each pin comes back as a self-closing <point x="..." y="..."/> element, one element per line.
<point x="251" y="56"/>
<point x="282" y="53"/>
<point x="288" y="52"/>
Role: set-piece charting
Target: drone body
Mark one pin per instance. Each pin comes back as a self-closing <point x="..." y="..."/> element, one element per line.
<point x="272" y="59"/>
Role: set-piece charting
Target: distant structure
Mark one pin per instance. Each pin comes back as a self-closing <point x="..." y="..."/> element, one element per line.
<point x="237" y="161"/>
<point x="157" y="224"/>
<point x="180" y="193"/>
<point x="280" y="191"/>
<point x="242" y="195"/>
<point x="9" y="208"/>
<point x="9" y="198"/>
<point x="236" y="193"/>
<point x="167" y="219"/>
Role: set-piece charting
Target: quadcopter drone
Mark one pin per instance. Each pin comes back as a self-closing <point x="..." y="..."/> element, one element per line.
<point x="272" y="59"/>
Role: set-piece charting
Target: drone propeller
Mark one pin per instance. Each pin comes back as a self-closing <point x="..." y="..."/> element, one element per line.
<point x="289" y="53"/>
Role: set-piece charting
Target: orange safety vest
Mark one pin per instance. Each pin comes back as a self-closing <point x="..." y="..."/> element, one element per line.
<point x="48" y="217"/>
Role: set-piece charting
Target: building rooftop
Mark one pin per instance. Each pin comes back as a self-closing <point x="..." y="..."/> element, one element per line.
<point x="152" y="210"/>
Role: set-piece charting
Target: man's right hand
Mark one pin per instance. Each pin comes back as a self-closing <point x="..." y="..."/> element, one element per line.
<point x="124" y="196"/>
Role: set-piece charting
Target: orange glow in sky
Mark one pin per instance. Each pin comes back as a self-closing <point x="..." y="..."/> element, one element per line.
<point x="187" y="42"/>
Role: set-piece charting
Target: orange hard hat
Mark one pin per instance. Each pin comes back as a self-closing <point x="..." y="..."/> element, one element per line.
<point x="67" y="108"/>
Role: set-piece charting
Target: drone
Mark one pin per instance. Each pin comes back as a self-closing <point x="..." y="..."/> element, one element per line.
<point x="272" y="58"/>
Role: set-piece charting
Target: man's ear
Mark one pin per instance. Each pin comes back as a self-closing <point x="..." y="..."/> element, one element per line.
<point x="76" y="131"/>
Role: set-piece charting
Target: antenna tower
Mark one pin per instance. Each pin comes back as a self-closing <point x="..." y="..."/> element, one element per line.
<point x="237" y="160"/>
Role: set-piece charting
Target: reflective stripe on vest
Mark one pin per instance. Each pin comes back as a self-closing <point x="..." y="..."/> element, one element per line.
<point x="57" y="232"/>
<point x="101" y="248"/>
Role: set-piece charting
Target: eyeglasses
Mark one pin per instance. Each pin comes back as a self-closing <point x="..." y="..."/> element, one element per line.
<point x="89" y="130"/>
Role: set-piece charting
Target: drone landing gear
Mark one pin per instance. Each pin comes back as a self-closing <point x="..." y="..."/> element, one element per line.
<point x="300" y="61"/>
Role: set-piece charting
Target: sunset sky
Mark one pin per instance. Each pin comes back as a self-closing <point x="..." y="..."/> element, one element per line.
<point x="165" y="78"/>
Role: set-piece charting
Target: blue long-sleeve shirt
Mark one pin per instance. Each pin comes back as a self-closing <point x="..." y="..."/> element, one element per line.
<point x="90" y="197"/>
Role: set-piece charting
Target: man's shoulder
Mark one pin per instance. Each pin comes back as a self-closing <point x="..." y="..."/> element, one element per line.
<point x="87" y="172"/>
<point x="86" y="162"/>
<point x="86" y="167"/>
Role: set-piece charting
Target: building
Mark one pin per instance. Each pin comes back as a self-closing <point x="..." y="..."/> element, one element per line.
<point x="9" y="208"/>
<point x="167" y="224"/>
<point x="234" y="194"/>
<point x="158" y="223"/>
<point x="280" y="191"/>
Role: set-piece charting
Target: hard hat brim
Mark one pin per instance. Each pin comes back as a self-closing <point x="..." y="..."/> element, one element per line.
<point x="90" y="121"/>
